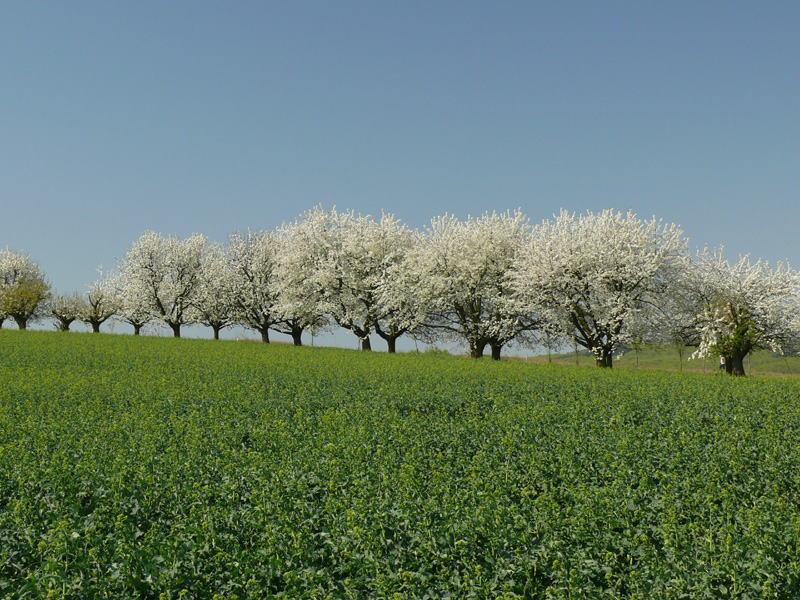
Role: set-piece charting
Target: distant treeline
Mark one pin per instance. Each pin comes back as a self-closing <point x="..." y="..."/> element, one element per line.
<point x="599" y="281"/>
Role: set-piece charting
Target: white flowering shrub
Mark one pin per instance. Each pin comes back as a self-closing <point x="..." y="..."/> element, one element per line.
<point x="101" y="302"/>
<point x="65" y="309"/>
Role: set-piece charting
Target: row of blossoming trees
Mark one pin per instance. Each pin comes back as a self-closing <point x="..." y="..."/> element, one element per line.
<point x="600" y="281"/>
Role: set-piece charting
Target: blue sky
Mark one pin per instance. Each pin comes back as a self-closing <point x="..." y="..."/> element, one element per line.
<point x="185" y="117"/>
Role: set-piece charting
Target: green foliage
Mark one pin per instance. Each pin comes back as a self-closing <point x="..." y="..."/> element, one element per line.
<point x="23" y="300"/>
<point x="160" y="468"/>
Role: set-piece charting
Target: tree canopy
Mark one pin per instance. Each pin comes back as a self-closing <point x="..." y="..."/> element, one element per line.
<point x="599" y="280"/>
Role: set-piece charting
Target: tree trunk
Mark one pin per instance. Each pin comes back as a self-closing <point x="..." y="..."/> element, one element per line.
<point x="391" y="337"/>
<point x="216" y="329"/>
<point x="137" y="328"/>
<point x="727" y="364"/>
<point x="366" y="344"/>
<point x="734" y="365"/>
<point x="606" y="358"/>
<point x="496" y="348"/>
<point x="264" y="335"/>
<point x="476" y="349"/>
<point x="22" y="322"/>
<point x="176" y="329"/>
<point x="63" y="324"/>
<point x="95" y="326"/>
<point x="297" y="336"/>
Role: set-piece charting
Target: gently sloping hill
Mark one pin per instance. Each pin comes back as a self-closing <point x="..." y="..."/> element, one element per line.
<point x="136" y="467"/>
<point x="759" y="363"/>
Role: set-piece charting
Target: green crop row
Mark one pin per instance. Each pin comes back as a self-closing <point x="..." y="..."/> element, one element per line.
<point x="159" y="468"/>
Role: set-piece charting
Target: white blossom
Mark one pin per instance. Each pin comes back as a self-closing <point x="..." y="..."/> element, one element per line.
<point x="594" y="278"/>
<point x="742" y="307"/>
<point x="65" y="309"/>
<point x="23" y="289"/>
<point x="362" y="255"/>
<point x="302" y="274"/>
<point x="102" y="301"/>
<point x="160" y="278"/>
<point x="251" y="262"/>
<point x="214" y="302"/>
<point x="464" y="269"/>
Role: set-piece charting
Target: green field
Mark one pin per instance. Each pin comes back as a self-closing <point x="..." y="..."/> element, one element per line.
<point x="760" y="363"/>
<point x="161" y="468"/>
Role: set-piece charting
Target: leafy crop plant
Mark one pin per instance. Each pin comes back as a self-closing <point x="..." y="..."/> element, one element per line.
<point x="134" y="467"/>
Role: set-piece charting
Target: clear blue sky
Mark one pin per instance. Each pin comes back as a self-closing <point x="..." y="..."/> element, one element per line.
<point x="182" y="117"/>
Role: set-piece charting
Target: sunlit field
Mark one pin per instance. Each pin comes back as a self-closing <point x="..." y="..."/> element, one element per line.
<point x="760" y="363"/>
<point x="180" y="468"/>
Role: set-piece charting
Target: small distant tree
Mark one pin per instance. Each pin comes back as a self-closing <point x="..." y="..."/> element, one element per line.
<point x="65" y="309"/>
<point x="551" y="342"/>
<point x="743" y="307"/>
<point x="676" y="323"/>
<point x="132" y="309"/>
<point x="102" y="302"/>
<point x="215" y="305"/>
<point x="23" y="289"/>
<point x="251" y="270"/>
<point x="301" y="270"/>
<point x="639" y="337"/>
